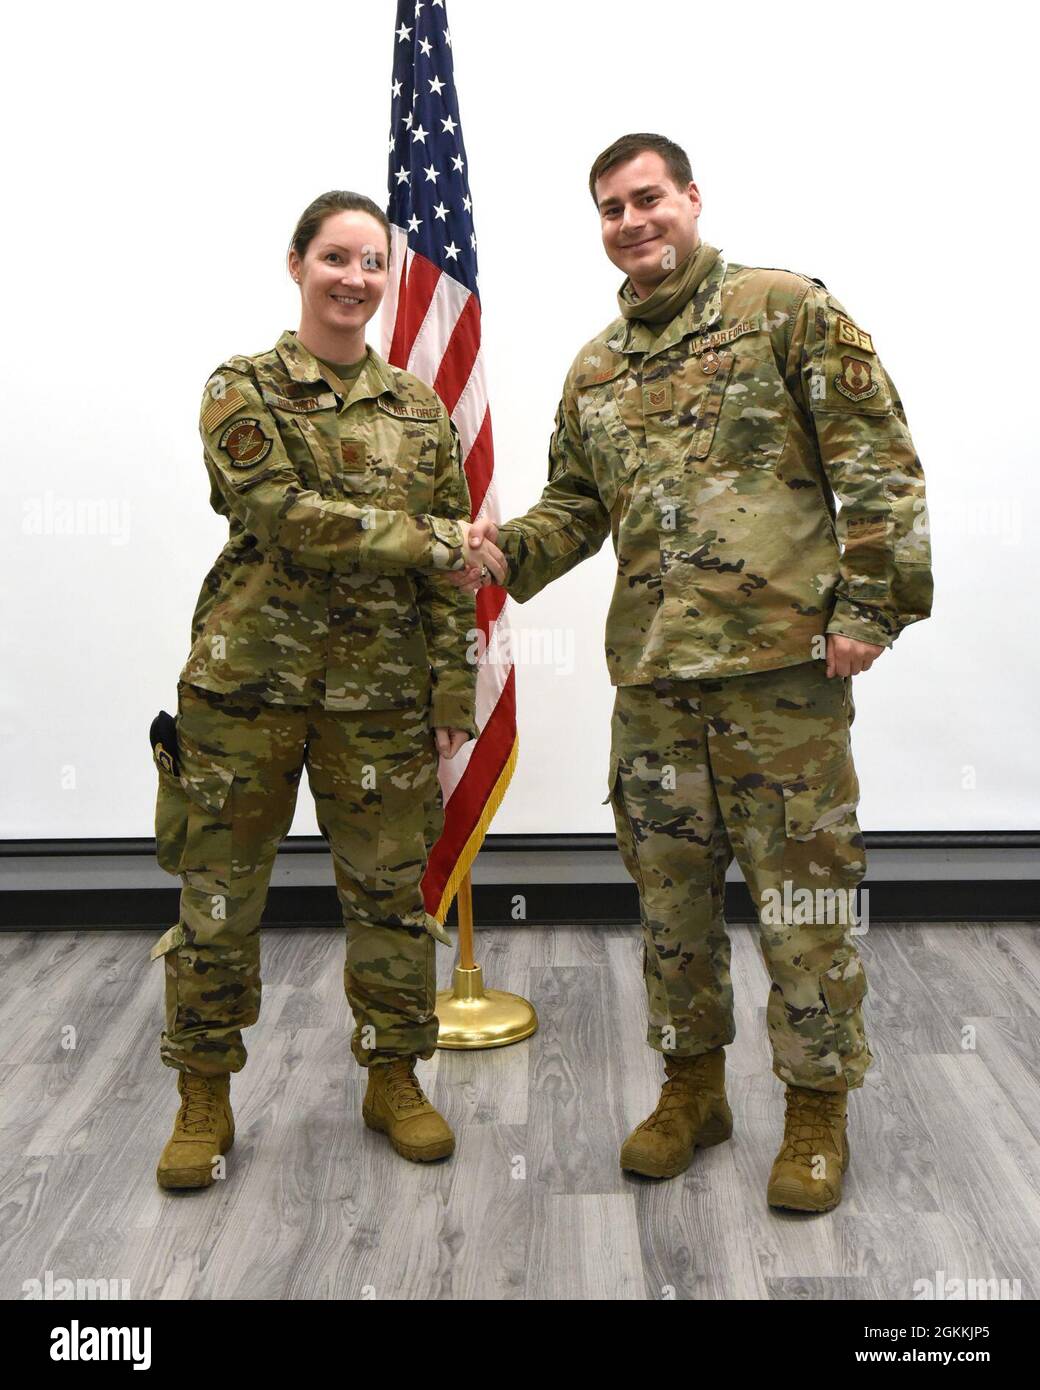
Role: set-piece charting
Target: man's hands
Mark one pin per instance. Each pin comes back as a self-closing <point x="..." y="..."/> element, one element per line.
<point x="847" y="657"/>
<point x="449" y="741"/>
<point x="482" y="550"/>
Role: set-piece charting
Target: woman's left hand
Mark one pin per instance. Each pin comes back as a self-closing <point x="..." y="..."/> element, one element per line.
<point x="449" y="741"/>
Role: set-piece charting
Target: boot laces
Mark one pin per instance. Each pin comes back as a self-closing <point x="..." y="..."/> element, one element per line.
<point x="198" y="1106"/>
<point x="810" y="1128"/>
<point x="677" y="1093"/>
<point x="402" y="1086"/>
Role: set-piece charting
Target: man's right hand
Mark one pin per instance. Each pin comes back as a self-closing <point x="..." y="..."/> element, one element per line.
<point x="481" y="550"/>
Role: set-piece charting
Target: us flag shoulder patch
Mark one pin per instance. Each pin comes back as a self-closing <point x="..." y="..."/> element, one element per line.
<point x="221" y="407"/>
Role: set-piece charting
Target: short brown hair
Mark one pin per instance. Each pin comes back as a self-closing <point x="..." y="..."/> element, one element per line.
<point x="336" y="200"/>
<point x="675" y="158"/>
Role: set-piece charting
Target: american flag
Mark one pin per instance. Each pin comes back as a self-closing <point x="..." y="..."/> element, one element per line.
<point x="431" y="327"/>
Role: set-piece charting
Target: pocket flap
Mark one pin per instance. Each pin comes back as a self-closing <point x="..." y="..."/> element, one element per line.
<point x="169" y="941"/>
<point x="611" y="778"/>
<point x="436" y="930"/>
<point x="820" y="801"/>
<point x="844" y="986"/>
<point x="205" y="781"/>
<point x="209" y="787"/>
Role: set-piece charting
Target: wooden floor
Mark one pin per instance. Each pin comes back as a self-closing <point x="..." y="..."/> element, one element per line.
<point x="945" y="1172"/>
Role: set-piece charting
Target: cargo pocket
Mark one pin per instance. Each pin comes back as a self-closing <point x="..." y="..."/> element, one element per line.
<point x="625" y="831"/>
<point x="193" y="822"/>
<point x="823" y="842"/>
<point x="171" y="822"/>
<point x="410" y="820"/>
<point x="844" y="985"/>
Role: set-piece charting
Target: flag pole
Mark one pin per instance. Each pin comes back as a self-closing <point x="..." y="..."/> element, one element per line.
<point x="471" y="1016"/>
<point x="464" y="902"/>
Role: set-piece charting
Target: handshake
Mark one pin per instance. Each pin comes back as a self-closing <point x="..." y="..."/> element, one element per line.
<point x="485" y="563"/>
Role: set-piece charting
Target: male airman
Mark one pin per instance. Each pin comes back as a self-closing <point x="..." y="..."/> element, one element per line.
<point x="708" y="430"/>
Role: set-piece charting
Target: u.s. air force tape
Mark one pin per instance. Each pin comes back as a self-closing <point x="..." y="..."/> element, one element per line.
<point x="245" y="443"/>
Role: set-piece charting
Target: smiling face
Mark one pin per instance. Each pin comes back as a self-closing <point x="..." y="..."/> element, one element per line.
<point x="649" y="226"/>
<point x="342" y="279"/>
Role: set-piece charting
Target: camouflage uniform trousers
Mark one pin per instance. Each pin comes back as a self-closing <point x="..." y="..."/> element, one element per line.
<point x="373" y="775"/>
<point x="759" y="766"/>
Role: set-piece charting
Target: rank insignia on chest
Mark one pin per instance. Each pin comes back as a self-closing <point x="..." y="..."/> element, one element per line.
<point x="352" y="454"/>
<point x="657" y="398"/>
<point x="854" y="381"/>
<point x="245" y="443"/>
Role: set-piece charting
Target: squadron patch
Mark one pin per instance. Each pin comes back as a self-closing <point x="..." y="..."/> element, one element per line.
<point x="853" y="381"/>
<point x="245" y="443"/>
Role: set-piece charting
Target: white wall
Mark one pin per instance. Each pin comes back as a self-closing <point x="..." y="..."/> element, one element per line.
<point x="156" y="161"/>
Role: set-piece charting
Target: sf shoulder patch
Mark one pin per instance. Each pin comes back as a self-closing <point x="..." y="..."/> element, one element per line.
<point x="851" y="336"/>
<point x="220" y="407"/>
<point x="245" y="443"/>
<point x="852" y="377"/>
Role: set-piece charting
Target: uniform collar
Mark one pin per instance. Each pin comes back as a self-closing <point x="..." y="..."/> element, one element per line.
<point x="702" y="311"/>
<point x="377" y="377"/>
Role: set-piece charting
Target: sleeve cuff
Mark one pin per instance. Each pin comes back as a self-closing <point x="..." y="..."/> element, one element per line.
<point x="509" y="542"/>
<point x="449" y="711"/>
<point x="447" y="544"/>
<point x="844" y="625"/>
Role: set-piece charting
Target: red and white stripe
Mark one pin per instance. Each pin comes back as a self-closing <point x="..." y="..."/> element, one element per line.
<point x="431" y="327"/>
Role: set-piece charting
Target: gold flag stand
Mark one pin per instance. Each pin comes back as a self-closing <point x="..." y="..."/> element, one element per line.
<point x="469" y="1014"/>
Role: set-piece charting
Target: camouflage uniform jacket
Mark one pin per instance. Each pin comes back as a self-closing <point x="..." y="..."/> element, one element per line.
<point x="341" y="508"/>
<point x="712" y="450"/>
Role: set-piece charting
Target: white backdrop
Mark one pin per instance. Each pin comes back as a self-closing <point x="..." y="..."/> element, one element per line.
<point x="156" y="162"/>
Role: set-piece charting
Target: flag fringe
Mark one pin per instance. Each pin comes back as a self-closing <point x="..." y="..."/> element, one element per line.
<point x="476" y="838"/>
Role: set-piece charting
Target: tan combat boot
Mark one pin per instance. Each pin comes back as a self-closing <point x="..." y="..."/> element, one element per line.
<point x="808" y="1169"/>
<point x="204" y="1128"/>
<point x="692" y="1113"/>
<point x="395" y="1105"/>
